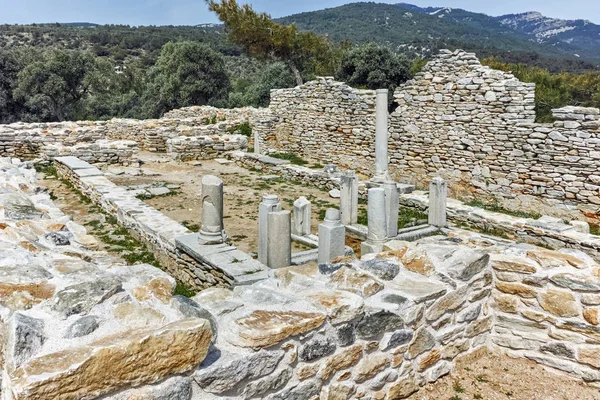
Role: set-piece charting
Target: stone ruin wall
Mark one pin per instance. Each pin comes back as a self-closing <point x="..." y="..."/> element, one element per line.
<point x="185" y="134"/>
<point x="473" y="125"/>
<point x="322" y="120"/>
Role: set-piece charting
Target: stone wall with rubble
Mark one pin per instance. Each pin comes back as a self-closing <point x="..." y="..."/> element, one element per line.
<point x="151" y="227"/>
<point x="186" y="148"/>
<point x="84" y="138"/>
<point x="475" y="126"/>
<point x="472" y="124"/>
<point x="546" y="308"/>
<point x="322" y="120"/>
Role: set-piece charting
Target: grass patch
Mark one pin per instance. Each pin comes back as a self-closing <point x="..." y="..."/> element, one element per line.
<point x="495" y="207"/>
<point x="457" y="388"/>
<point x="317" y="166"/>
<point x="595" y="230"/>
<point x="183" y="290"/>
<point x="241" y="129"/>
<point x="191" y="226"/>
<point x="293" y="158"/>
<point x="409" y="215"/>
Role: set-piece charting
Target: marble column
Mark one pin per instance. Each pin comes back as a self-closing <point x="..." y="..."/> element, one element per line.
<point x="212" y="230"/>
<point x="279" y="239"/>
<point x="269" y="203"/>
<point x="438" y="193"/>
<point x="332" y="237"/>
<point x="381" y="137"/>
<point x="392" y="201"/>
<point x="349" y="198"/>
<point x="302" y="217"/>
<point x="377" y="222"/>
<point x="256" y="142"/>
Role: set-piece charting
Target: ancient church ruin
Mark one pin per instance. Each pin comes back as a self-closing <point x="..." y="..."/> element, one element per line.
<point x="309" y="314"/>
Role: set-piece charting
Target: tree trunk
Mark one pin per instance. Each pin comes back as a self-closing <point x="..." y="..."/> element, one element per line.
<point x="299" y="80"/>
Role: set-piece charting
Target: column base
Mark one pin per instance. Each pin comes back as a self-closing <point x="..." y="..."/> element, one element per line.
<point x="370" y="248"/>
<point x="206" y="238"/>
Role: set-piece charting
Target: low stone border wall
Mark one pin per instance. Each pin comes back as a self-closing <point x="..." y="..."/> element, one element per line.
<point x="153" y="228"/>
<point x="186" y="148"/>
<point x="122" y="152"/>
<point x="546" y="231"/>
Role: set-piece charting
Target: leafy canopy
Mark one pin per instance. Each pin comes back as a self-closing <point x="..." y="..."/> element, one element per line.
<point x="265" y="39"/>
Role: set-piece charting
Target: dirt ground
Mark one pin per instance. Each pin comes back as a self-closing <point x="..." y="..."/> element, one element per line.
<point x="498" y="377"/>
<point x="243" y="192"/>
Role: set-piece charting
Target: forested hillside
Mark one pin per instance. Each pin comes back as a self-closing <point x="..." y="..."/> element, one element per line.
<point x="51" y="72"/>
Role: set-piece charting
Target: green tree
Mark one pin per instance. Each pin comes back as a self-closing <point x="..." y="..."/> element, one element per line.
<point x="55" y="86"/>
<point x="374" y="67"/>
<point x="186" y="74"/>
<point x="263" y="38"/>
<point x="257" y="92"/>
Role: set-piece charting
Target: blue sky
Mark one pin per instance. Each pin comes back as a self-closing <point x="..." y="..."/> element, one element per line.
<point x="192" y="12"/>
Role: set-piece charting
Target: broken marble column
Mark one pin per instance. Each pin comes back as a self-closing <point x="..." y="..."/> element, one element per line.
<point x="377" y="222"/>
<point x="381" y="137"/>
<point x="438" y="192"/>
<point x="212" y="231"/>
<point x="392" y="201"/>
<point x="302" y="215"/>
<point x="332" y="237"/>
<point x="256" y="142"/>
<point x="349" y="198"/>
<point x="269" y="203"/>
<point x="279" y="239"/>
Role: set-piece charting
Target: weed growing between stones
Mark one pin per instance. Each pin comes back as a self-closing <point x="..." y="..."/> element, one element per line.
<point x="293" y="158"/>
<point x="241" y="129"/>
<point x="191" y="226"/>
<point x="595" y="230"/>
<point x="495" y="207"/>
<point x="148" y="196"/>
<point x="408" y="216"/>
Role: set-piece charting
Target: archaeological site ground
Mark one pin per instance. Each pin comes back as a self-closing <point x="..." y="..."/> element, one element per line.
<point x="321" y="248"/>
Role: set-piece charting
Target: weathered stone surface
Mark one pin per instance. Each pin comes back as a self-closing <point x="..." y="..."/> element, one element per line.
<point x="469" y="314"/>
<point x="146" y="282"/>
<point x="470" y="264"/>
<point x="423" y="341"/>
<point x="221" y="372"/>
<point x="591" y="315"/>
<point x="372" y="325"/>
<point x="304" y="391"/>
<point x="318" y="347"/>
<point x="58" y="238"/>
<point x="177" y="388"/>
<point x="135" y="358"/>
<point x="403" y="389"/>
<point x="440" y="369"/>
<point x="516" y="288"/>
<point x="190" y="309"/>
<point x="449" y="302"/>
<point x="554" y="259"/>
<point x="506" y="262"/>
<point x="575" y="282"/>
<point x="341" y="306"/>
<point x="356" y="282"/>
<point x="338" y="392"/>
<point x="382" y="269"/>
<point x="346" y="335"/>
<point x="263" y="328"/>
<point x="559" y="302"/>
<point x="589" y="355"/>
<point x="429" y="359"/>
<point x="396" y="339"/>
<point x="341" y="361"/>
<point x="370" y="366"/>
<point x="259" y="388"/>
<point x="559" y="349"/>
<point x="24" y="338"/>
<point x="82" y="297"/>
<point x="82" y="327"/>
<point x="478" y="327"/>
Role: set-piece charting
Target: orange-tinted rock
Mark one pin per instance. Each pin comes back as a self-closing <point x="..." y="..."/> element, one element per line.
<point x="559" y="302"/>
<point x="341" y="361"/>
<point x="356" y="282"/>
<point x="503" y="262"/>
<point x="591" y="315"/>
<point x="133" y="358"/>
<point x="516" y="288"/>
<point x="264" y="328"/>
<point x="506" y="303"/>
<point x="370" y="366"/>
<point x="403" y="389"/>
<point x="429" y="359"/>
<point x="25" y="294"/>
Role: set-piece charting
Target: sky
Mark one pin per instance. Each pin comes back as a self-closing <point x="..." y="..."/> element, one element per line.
<point x="193" y="12"/>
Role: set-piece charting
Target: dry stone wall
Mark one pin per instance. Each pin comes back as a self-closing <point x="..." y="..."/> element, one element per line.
<point x="471" y="124"/>
<point x="322" y="120"/>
